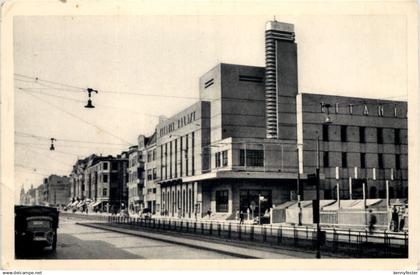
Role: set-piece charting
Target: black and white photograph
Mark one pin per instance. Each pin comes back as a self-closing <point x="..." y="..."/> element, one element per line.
<point x="219" y="135"/>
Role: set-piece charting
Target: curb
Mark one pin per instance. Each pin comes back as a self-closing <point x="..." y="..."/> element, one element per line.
<point x="138" y="234"/>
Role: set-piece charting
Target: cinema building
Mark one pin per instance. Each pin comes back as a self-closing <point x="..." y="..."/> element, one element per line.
<point x="252" y="140"/>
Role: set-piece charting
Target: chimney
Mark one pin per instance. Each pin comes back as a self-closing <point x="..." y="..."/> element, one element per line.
<point x="280" y="78"/>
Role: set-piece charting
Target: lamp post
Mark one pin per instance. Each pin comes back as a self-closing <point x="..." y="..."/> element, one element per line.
<point x="318" y="229"/>
<point x="318" y="183"/>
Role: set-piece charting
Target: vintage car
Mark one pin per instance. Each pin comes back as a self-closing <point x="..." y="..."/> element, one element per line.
<point x="35" y="226"/>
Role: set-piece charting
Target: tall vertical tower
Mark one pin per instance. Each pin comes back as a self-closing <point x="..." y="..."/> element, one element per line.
<point x="281" y="82"/>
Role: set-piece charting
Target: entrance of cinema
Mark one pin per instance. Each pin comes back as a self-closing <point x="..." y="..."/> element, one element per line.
<point x="249" y="199"/>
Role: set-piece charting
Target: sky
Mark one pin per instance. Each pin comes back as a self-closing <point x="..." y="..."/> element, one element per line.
<point x="146" y="66"/>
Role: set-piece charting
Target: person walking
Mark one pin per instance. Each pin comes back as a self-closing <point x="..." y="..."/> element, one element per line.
<point x="394" y="219"/>
<point x="241" y="217"/>
<point x="372" y="221"/>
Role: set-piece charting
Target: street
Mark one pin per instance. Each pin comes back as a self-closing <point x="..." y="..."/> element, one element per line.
<point x="80" y="242"/>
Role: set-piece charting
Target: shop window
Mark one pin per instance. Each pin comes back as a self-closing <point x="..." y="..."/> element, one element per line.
<point x="225" y="158"/>
<point x="222" y="201"/>
<point x="326" y="159"/>
<point x="343" y="132"/>
<point x="398" y="162"/>
<point x="362" y="160"/>
<point x="251" y="158"/>
<point x="344" y="159"/>
<point x="379" y="135"/>
<point x="325" y="136"/>
<point x="397" y="139"/>
<point x="362" y="134"/>
<point x="380" y="161"/>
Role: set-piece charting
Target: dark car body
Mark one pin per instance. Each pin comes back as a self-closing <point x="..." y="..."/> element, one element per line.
<point x="35" y="226"/>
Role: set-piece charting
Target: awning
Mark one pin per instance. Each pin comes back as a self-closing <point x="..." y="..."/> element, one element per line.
<point x="97" y="203"/>
<point x="74" y="203"/>
<point x="353" y="204"/>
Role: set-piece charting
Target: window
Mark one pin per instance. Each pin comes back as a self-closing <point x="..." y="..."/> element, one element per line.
<point x="397" y="139"/>
<point x="250" y="78"/>
<point x="225" y="158"/>
<point x="380" y="161"/>
<point x="344" y="159"/>
<point x="104" y="192"/>
<point x="326" y="160"/>
<point x="192" y="154"/>
<point x="252" y="158"/>
<point x="170" y="159"/>
<point x="154" y="190"/>
<point x="154" y="154"/>
<point x="325" y="132"/>
<point x="343" y="130"/>
<point x="379" y="135"/>
<point x="362" y="160"/>
<point x="149" y="156"/>
<point x="362" y="134"/>
<point x="397" y="162"/>
<point x="105" y="166"/>
<point x="208" y="83"/>
<point x="149" y="174"/>
<point x="154" y="176"/>
<point x="222" y="201"/>
<point x="217" y="159"/>
<point x="105" y="178"/>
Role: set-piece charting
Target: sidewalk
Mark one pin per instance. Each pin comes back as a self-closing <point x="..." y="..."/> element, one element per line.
<point x="249" y="251"/>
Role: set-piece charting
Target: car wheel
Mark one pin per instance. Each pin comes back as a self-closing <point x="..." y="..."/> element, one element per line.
<point x="54" y="244"/>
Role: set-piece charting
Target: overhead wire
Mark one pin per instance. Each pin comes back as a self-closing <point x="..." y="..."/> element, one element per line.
<point x="82" y="101"/>
<point x="80" y="119"/>
<point x="23" y="134"/>
<point x="39" y="80"/>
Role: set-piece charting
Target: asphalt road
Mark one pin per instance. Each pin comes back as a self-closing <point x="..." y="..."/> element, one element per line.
<point x="80" y="242"/>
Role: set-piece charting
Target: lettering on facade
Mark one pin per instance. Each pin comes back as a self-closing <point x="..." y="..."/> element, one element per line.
<point x="177" y="124"/>
<point x="380" y="110"/>
<point x="365" y="112"/>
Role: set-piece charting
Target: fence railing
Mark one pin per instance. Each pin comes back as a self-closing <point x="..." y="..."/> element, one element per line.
<point x="356" y="243"/>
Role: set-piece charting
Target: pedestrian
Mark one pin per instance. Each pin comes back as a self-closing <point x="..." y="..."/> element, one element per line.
<point x="209" y="213"/>
<point x="394" y="219"/>
<point x="372" y="221"/>
<point x="402" y="224"/>
<point x="241" y="217"/>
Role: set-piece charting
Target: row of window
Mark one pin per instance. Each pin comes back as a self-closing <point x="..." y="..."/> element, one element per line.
<point x="362" y="134"/>
<point x="344" y="164"/>
<point x="169" y="155"/>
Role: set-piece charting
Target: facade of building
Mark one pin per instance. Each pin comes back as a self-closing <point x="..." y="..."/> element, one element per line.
<point x="77" y="178"/>
<point x="151" y="194"/>
<point x="105" y="183"/>
<point x="252" y="140"/>
<point x="58" y="189"/>
<point x="135" y="182"/>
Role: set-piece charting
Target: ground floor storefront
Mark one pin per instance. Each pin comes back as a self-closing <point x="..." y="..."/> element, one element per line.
<point x="224" y="198"/>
